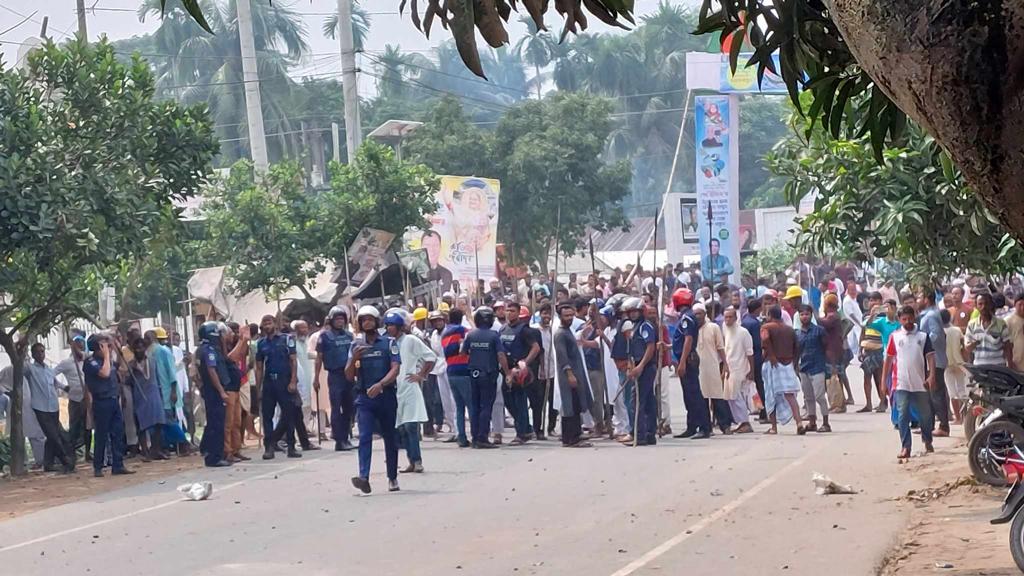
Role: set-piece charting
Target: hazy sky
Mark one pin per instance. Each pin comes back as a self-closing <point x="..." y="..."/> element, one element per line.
<point x="117" y="19"/>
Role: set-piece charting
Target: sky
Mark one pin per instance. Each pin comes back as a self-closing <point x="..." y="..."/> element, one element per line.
<point x="117" y="20"/>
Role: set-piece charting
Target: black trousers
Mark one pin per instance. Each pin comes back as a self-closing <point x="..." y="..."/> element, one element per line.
<point x="296" y="423"/>
<point x="432" y="399"/>
<point x="940" y="399"/>
<point x="572" y="426"/>
<point x="759" y="384"/>
<point x="78" y="433"/>
<point x="57" y="445"/>
<point x="535" y="395"/>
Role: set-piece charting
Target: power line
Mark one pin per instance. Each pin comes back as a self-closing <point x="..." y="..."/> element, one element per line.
<point x="29" y="17"/>
<point x="23" y="20"/>
<point x="439" y="72"/>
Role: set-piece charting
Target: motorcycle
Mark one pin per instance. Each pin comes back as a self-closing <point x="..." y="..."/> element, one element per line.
<point x="1012" y="459"/>
<point x="1002" y="390"/>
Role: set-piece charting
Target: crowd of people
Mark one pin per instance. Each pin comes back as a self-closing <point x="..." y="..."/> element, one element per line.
<point x="528" y="359"/>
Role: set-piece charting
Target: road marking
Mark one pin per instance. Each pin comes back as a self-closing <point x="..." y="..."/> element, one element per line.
<point x="678" y="539"/>
<point x="154" y="508"/>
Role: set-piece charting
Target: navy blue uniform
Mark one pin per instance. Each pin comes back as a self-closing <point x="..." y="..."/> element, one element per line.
<point x="334" y="347"/>
<point x="483" y="347"/>
<point x="643" y="336"/>
<point x="517" y="341"/>
<point x="379" y="412"/>
<point x="276" y="353"/>
<point x="108" y="422"/>
<point x="698" y="415"/>
<point x="212" y="444"/>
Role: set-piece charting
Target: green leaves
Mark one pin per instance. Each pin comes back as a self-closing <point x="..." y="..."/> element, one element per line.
<point x="912" y="207"/>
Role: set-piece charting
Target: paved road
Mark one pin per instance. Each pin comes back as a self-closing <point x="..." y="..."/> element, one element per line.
<point x="729" y="505"/>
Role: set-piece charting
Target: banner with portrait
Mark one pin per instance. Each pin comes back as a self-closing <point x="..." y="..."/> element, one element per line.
<point x="719" y="253"/>
<point x="462" y="238"/>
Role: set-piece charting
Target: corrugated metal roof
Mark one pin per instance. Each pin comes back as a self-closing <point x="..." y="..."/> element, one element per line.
<point x="635" y="238"/>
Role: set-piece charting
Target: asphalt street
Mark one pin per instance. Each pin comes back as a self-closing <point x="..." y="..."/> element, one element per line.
<point x="729" y="505"/>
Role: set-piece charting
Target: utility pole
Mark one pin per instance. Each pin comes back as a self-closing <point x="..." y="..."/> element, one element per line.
<point x="251" y="78"/>
<point x="336" y="141"/>
<point x="349" y="82"/>
<point x="83" y="33"/>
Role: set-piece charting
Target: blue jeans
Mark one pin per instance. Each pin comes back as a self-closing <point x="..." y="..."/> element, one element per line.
<point x="922" y="402"/>
<point x="380" y="411"/>
<point x="460" y="386"/>
<point x="483" y="389"/>
<point x="517" y="401"/>
<point x="410" y="432"/>
<point x="109" y="427"/>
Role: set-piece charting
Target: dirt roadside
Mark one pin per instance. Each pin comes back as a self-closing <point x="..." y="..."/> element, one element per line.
<point x="949" y="530"/>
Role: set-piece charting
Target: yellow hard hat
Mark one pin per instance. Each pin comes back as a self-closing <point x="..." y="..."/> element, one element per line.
<point x="444" y="307"/>
<point x="160" y="333"/>
<point x="419" y="314"/>
<point x="794" y="292"/>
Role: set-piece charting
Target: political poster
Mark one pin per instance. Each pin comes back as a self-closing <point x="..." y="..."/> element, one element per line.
<point x="744" y="80"/>
<point x="366" y="251"/>
<point x="715" y="186"/>
<point x="462" y="238"/>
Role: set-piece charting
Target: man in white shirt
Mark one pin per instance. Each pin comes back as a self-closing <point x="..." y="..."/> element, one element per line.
<point x="853" y="313"/>
<point x="78" y="402"/>
<point x="41" y="380"/>
<point x="910" y="359"/>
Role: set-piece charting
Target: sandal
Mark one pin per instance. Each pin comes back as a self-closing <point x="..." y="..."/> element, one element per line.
<point x="824" y="429"/>
<point x="581" y="444"/>
<point x="770" y="432"/>
<point x="903" y="455"/>
<point x="800" y="430"/>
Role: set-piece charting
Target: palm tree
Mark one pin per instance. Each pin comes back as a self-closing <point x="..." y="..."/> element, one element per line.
<point x="395" y="68"/>
<point x="537" y="49"/>
<point x="194" y="66"/>
<point x="360" y="26"/>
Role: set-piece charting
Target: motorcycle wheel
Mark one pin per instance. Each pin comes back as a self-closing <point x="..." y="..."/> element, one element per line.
<point x="1017" y="540"/>
<point x="983" y="468"/>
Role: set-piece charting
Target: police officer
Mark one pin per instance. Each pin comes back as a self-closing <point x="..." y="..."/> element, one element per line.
<point x="275" y="368"/>
<point x="216" y="379"/>
<point x="521" y="343"/>
<point x="332" y="350"/>
<point x="373" y="364"/>
<point x="643" y="343"/>
<point x="486" y="356"/>
<point x="684" y="353"/>
<point x="108" y="422"/>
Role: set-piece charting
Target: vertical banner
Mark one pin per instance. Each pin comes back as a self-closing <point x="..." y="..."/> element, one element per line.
<point x="717" y="185"/>
<point x="462" y="231"/>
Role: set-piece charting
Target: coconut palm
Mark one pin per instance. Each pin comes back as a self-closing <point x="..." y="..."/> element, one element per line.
<point x="360" y="26"/>
<point x="537" y="49"/>
<point x="195" y="66"/>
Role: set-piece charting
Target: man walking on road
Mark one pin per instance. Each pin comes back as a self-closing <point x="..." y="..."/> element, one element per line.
<point x="739" y="354"/>
<point x="276" y="368"/>
<point x="780" y="381"/>
<point x="486" y="358"/>
<point x="931" y="324"/>
<point x="911" y="353"/>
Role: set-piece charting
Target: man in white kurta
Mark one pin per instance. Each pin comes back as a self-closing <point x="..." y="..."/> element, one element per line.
<point x="739" y="356"/>
<point x="417" y="362"/>
<point x="304" y="369"/>
<point x="711" y="350"/>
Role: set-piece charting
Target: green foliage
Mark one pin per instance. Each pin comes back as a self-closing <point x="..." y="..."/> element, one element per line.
<point x="768" y="261"/>
<point x="449" y="144"/>
<point x="913" y="208"/>
<point x="272" y="234"/>
<point x="89" y="169"/>
<point x="548" y="156"/>
<point x="5" y="454"/>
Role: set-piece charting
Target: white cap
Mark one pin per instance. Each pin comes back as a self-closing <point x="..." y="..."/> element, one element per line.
<point x="698" y="307"/>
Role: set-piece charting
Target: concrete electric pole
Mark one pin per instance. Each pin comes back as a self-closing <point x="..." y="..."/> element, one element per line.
<point x="251" y="77"/>
<point x="83" y="32"/>
<point x="349" y="82"/>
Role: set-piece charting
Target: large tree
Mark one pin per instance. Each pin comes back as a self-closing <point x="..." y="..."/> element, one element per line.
<point x="273" y="234"/>
<point x="91" y="167"/>
<point x="913" y="207"/>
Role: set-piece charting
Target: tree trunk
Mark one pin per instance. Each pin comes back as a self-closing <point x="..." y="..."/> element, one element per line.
<point x="955" y="68"/>
<point x="15" y="413"/>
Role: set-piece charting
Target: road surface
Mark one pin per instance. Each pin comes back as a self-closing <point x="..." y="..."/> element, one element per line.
<point x="741" y="504"/>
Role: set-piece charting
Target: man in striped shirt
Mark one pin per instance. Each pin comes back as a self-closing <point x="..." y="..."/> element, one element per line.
<point x="910" y="358"/>
<point x="987" y="336"/>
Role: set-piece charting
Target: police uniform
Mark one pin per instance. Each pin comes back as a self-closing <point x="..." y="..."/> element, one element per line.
<point x="517" y="341"/>
<point x="276" y="353"/>
<point x="108" y="421"/>
<point x="483" y="347"/>
<point x="377" y="413"/>
<point x="643" y="336"/>
<point x="212" y="444"/>
<point x="334" y="347"/>
<point x="698" y="416"/>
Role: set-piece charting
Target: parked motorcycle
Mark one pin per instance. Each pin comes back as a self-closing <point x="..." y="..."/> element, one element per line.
<point x="1002" y="390"/>
<point x="1013" y="470"/>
